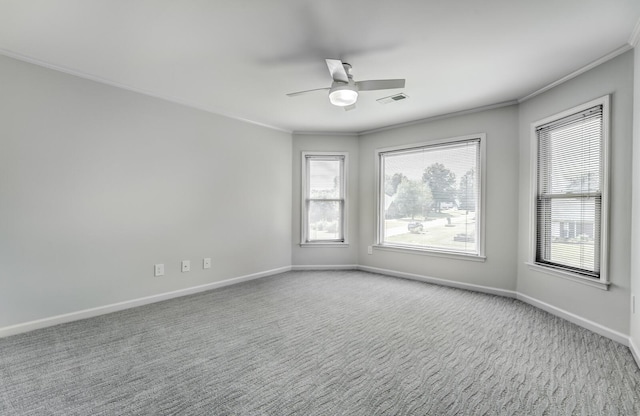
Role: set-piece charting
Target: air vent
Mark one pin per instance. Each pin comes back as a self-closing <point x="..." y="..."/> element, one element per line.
<point x="392" y="98"/>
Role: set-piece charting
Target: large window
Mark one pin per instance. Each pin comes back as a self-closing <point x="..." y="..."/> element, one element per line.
<point x="570" y="192"/>
<point x="430" y="197"/>
<point x="324" y="198"/>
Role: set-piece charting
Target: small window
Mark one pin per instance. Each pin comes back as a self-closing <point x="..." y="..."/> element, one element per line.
<point x="324" y="198"/>
<point x="570" y="193"/>
<point x="430" y="197"/>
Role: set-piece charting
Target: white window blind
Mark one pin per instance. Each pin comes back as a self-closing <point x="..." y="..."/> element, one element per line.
<point x="324" y="198"/>
<point x="430" y="197"/>
<point x="569" y="193"/>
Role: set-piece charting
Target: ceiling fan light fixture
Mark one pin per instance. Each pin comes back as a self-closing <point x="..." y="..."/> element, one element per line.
<point x="344" y="90"/>
<point x="343" y="95"/>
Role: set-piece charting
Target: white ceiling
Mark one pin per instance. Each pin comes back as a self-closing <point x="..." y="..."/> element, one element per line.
<point x="240" y="57"/>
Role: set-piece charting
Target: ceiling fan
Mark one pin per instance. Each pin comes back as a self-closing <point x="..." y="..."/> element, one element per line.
<point x="344" y="90"/>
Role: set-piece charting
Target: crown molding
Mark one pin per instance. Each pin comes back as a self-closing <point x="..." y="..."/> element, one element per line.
<point x="94" y="78"/>
<point x="624" y="48"/>
<point x="442" y="116"/>
<point x="322" y="133"/>
<point x="634" y="40"/>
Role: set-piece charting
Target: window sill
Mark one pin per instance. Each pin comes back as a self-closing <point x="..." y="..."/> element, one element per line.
<point x="574" y="277"/>
<point x="433" y="253"/>
<point x="325" y="245"/>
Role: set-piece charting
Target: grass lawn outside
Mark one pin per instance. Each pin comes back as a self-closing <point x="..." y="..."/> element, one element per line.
<point x="437" y="232"/>
<point x="574" y="254"/>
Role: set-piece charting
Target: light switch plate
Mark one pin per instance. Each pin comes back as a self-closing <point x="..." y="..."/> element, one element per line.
<point x="206" y="263"/>
<point x="186" y="266"/>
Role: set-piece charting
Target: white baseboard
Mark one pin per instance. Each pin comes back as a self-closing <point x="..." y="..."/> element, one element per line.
<point x="101" y="310"/>
<point x="114" y="307"/>
<point x="441" y="282"/>
<point x="583" y="322"/>
<point x="578" y="320"/>
<point x="325" y="267"/>
<point x="634" y="351"/>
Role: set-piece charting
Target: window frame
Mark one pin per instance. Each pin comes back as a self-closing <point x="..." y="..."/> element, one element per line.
<point x="480" y="216"/>
<point x="305" y="198"/>
<point x="603" y="281"/>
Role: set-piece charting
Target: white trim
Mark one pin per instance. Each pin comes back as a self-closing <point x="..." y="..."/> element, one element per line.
<point x="633" y="41"/>
<point x="634" y="351"/>
<point x="325" y="267"/>
<point x="95" y="78"/>
<point x="323" y="244"/>
<point x="114" y="307"/>
<point x="553" y="310"/>
<point x="634" y="38"/>
<point x="442" y="116"/>
<point x="603" y="282"/>
<point x="430" y="252"/>
<point x="304" y="176"/>
<point x="578" y="320"/>
<point x="482" y="191"/>
<point x="102" y="310"/>
<point x="574" y="277"/>
<point x="441" y="282"/>
<point x="533" y="191"/>
<point x="480" y="216"/>
<point x="577" y="72"/>
<point x="323" y="133"/>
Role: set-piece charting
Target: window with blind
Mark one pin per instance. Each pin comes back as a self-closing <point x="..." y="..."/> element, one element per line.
<point x="429" y="197"/>
<point x="324" y="198"/>
<point x="570" y="200"/>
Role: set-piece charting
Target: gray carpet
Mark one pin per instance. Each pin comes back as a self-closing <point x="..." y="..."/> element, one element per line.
<point x="320" y="343"/>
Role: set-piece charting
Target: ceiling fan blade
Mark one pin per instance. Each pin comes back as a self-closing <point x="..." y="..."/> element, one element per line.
<point x="350" y="107"/>
<point x="294" y="94"/>
<point x="380" y="84"/>
<point x="337" y="70"/>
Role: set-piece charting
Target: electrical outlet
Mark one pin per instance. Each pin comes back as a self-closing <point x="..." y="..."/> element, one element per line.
<point x="158" y="269"/>
<point x="369" y="250"/>
<point x="206" y="263"/>
<point x="186" y="266"/>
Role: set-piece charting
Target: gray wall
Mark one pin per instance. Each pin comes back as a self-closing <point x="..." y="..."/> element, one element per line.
<point x="635" y="213"/>
<point x="97" y="184"/>
<point x="325" y="256"/>
<point x="499" y="270"/>
<point x="609" y="308"/>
